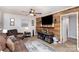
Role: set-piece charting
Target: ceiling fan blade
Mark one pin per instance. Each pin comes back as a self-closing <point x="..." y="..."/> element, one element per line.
<point x="38" y="13"/>
<point x="31" y="12"/>
<point x="25" y="12"/>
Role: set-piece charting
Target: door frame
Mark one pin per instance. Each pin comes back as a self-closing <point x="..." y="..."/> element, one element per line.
<point x="77" y="13"/>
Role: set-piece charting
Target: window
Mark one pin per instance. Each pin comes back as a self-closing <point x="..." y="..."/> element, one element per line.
<point x="12" y="22"/>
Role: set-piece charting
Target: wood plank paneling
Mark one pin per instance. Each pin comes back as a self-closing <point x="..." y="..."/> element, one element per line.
<point x="56" y="16"/>
<point x="78" y="32"/>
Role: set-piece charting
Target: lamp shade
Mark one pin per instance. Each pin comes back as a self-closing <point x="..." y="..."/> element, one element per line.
<point x="26" y="28"/>
<point x="4" y="30"/>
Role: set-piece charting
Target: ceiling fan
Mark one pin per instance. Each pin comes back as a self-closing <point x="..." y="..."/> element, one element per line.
<point x="32" y="12"/>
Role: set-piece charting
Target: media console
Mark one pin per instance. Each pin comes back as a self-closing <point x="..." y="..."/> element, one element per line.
<point x="46" y="37"/>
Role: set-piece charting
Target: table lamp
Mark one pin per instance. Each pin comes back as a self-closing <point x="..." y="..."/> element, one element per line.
<point x="4" y="30"/>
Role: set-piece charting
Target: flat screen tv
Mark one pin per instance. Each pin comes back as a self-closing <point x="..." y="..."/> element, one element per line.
<point x="47" y="20"/>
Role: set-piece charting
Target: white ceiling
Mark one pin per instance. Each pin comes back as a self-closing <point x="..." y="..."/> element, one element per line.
<point x="45" y="10"/>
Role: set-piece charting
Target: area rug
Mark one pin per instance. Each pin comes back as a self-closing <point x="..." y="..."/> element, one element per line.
<point x="36" y="46"/>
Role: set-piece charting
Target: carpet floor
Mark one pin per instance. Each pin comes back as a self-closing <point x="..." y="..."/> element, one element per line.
<point x="36" y="46"/>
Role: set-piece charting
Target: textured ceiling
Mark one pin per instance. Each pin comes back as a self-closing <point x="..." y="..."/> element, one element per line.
<point x="45" y="10"/>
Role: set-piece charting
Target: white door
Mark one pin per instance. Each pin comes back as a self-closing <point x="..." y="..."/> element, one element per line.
<point x="64" y="28"/>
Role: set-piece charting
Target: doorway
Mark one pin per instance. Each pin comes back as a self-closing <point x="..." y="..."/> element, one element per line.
<point x="68" y="27"/>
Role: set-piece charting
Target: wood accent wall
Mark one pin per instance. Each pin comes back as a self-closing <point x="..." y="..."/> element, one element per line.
<point x="56" y="16"/>
<point x="78" y="32"/>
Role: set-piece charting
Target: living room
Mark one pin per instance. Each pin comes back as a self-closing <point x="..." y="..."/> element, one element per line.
<point x="22" y="29"/>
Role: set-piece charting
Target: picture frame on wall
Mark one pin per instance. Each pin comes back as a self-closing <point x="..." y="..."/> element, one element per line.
<point x="12" y="22"/>
<point x="24" y="23"/>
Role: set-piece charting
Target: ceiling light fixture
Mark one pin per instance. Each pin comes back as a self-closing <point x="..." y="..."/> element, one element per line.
<point x="32" y="12"/>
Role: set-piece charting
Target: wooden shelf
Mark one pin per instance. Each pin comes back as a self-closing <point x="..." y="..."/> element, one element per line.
<point x="44" y="27"/>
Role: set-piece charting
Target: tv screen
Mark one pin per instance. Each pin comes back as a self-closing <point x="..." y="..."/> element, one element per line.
<point x="47" y="20"/>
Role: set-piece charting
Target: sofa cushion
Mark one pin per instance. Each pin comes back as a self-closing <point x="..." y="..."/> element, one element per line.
<point x="10" y="44"/>
<point x="20" y="47"/>
<point x="6" y="50"/>
<point x="2" y="42"/>
<point x="12" y="37"/>
<point x="0" y="47"/>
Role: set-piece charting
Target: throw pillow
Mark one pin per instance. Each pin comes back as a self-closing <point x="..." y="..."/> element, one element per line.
<point x="10" y="44"/>
<point x="12" y="37"/>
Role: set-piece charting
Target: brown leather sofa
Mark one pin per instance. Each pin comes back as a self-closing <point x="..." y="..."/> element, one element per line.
<point x="2" y="43"/>
<point x="19" y="46"/>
